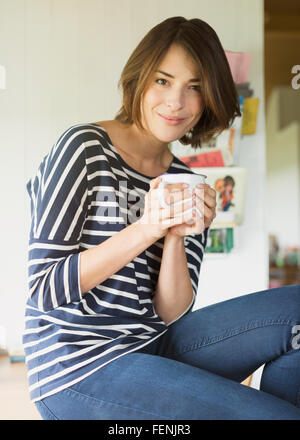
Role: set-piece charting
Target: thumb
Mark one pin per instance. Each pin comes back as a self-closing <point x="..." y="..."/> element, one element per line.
<point x="155" y="182"/>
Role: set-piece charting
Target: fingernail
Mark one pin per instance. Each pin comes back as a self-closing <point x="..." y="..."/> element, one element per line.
<point x="190" y="221"/>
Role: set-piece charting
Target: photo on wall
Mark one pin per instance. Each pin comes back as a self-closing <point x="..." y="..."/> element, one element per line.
<point x="230" y="185"/>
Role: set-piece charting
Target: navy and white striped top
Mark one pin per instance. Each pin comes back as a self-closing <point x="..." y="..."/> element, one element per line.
<point x="82" y="194"/>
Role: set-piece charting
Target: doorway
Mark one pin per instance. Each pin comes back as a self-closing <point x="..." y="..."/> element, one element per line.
<point x="282" y="97"/>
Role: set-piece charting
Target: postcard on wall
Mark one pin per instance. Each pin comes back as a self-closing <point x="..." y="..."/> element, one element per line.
<point x="239" y="63"/>
<point x="230" y="186"/>
<point x="213" y="158"/>
<point x="221" y="150"/>
<point x="250" y="115"/>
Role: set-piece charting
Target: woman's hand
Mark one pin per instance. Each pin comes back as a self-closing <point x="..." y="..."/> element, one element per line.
<point x="156" y="219"/>
<point x="204" y="199"/>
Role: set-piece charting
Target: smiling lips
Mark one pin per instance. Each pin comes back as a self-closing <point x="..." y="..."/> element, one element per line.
<point x="171" y="120"/>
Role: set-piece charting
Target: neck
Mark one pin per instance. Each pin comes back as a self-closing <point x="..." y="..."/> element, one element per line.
<point x="145" y="147"/>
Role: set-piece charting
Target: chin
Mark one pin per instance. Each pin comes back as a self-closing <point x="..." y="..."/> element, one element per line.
<point x="167" y="137"/>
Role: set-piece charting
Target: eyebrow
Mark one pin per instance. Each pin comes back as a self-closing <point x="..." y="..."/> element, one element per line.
<point x="171" y="76"/>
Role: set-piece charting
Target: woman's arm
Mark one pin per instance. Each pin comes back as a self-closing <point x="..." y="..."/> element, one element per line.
<point x="174" y="292"/>
<point x="177" y="284"/>
<point x="58" y="273"/>
<point x="102" y="261"/>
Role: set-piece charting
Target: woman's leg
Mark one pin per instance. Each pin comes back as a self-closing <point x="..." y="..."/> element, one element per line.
<point x="235" y="337"/>
<point x="140" y="386"/>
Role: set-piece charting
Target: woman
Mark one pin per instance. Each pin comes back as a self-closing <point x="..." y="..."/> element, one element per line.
<point x="113" y="276"/>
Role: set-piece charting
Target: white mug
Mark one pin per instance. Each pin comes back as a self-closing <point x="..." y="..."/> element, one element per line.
<point x="191" y="179"/>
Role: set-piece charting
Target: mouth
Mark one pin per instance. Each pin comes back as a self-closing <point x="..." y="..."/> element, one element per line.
<point x="171" y="119"/>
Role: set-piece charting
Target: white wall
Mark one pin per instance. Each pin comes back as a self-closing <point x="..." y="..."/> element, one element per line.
<point x="245" y="270"/>
<point x="63" y="59"/>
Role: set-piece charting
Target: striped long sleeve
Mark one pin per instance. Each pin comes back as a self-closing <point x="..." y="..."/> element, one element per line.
<point x="82" y="194"/>
<point x="58" y="208"/>
<point x="194" y="249"/>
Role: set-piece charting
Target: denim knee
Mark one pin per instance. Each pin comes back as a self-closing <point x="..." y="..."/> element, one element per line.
<point x="44" y="411"/>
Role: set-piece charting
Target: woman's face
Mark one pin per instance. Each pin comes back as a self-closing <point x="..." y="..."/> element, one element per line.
<point x="172" y="104"/>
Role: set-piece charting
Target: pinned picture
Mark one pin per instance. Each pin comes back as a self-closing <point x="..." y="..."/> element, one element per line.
<point x="230" y="186"/>
<point x="224" y="187"/>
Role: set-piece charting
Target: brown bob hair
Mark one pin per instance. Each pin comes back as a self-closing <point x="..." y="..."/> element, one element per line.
<point x="218" y="91"/>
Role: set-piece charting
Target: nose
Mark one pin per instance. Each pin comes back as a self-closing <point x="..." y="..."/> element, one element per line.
<point x="174" y="100"/>
<point x="173" y="105"/>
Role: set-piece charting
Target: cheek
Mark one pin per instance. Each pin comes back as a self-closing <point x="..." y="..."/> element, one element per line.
<point x="152" y="98"/>
<point x="196" y="106"/>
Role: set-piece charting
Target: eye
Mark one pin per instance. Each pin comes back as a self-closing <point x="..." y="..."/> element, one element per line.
<point x="161" y="81"/>
<point x="196" y="88"/>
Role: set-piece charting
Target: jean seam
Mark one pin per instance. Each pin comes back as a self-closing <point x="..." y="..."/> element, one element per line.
<point x="56" y="418"/>
<point x="113" y="403"/>
<point x="298" y="399"/>
<point x="196" y="346"/>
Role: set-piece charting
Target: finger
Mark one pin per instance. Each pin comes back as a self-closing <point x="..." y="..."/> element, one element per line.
<point x="176" y="186"/>
<point x="176" y="196"/>
<point x="169" y="222"/>
<point x="203" y="186"/>
<point x="207" y="189"/>
<point x="155" y="182"/>
<point x="177" y="210"/>
<point x="208" y="197"/>
<point x="175" y="192"/>
<point x="209" y="215"/>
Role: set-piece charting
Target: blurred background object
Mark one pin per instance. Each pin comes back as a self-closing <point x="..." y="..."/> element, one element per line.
<point x="284" y="264"/>
<point x="282" y="54"/>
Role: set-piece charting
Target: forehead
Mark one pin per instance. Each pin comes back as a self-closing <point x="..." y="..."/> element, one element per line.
<point x="178" y="62"/>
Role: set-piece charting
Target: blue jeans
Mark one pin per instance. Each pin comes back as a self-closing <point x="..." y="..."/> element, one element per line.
<point x="194" y="370"/>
